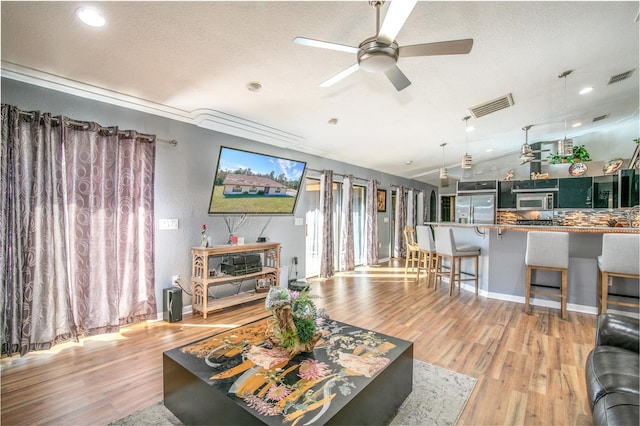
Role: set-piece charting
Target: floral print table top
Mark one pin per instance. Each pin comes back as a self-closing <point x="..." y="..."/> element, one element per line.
<point x="301" y="390"/>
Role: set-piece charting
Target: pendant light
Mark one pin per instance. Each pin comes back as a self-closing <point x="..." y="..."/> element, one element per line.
<point x="565" y="146"/>
<point x="467" y="161"/>
<point x="526" y="153"/>
<point x="444" y="175"/>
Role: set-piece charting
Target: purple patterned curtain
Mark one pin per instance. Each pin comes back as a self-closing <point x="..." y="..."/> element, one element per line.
<point x="326" y="211"/>
<point x="371" y="237"/>
<point x="399" y="249"/>
<point x="347" y="262"/>
<point x="76" y="223"/>
<point x="411" y="208"/>
<point x="34" y="294"/>
<point x="109" y="182"/>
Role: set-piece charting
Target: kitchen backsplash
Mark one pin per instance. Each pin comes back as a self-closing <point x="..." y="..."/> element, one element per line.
<point x="596" y="218"/>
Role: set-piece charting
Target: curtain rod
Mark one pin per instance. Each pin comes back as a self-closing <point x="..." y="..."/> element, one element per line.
<point x="85" y="124"/>
<point x="407" y="187"/>
<point x="340" y="174"/>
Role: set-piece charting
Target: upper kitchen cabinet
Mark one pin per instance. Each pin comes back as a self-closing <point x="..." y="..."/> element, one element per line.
<point x="538" y="185"/>
<point x="506" y="198"/>
<point x="605" y="191"/>
<point x="575" y="193"/>
<point x="629" y="188"/>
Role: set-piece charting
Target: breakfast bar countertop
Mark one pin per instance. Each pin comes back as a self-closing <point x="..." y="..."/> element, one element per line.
<point x="502" y="260"/>
<point x="526" y="228"/>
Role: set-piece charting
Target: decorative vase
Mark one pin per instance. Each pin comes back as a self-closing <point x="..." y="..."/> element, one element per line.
<point x="204" y="241"/>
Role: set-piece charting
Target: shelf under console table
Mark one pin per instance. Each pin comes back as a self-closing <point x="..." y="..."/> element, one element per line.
<point x="202" y="279"/>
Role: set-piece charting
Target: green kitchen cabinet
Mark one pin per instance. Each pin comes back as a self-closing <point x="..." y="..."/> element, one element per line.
<point x="506" y="198"/>
<point x="629" y="188"/>
<point x="575" y="193"/>
<point x="605" y="191"/>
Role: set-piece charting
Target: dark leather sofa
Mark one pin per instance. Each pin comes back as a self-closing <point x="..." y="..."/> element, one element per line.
<point x="611" y="372"/>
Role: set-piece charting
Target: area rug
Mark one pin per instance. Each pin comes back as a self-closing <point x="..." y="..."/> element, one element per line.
<point x="438" y="398"/>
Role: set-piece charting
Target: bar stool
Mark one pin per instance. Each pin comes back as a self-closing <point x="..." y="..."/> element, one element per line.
<point x="620" y="258"/>
<point x="547" y="251"/>
<point x="427" y="255"/>
<point x="446" y="248"/>
<point x="413" y="252"/>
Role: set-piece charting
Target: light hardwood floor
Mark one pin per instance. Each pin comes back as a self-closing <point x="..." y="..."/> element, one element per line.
<point x="530" y="368"/>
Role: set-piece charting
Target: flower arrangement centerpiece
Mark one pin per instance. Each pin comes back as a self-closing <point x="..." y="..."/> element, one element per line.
<point x="293" y="326"/>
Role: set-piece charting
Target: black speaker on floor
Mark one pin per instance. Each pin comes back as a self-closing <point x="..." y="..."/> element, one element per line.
<point x="172" y="299"/>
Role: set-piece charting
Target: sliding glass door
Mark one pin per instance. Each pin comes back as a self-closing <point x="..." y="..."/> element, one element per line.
<point x="313" y="222"/>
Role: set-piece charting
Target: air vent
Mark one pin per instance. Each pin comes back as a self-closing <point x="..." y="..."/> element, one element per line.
<point x="492" y="106"/>
<point x="620" y="77"/>
<point x="600" y="117"/>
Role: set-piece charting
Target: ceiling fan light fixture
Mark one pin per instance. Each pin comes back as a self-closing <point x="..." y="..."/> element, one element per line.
<point x="376" y="57"/>
<point x="526" y="153"/>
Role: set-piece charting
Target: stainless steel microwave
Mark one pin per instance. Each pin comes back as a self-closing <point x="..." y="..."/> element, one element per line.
<point x="534" y="201"/>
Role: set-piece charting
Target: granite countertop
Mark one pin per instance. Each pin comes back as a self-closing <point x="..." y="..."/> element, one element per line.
<point x="525" y="228"/>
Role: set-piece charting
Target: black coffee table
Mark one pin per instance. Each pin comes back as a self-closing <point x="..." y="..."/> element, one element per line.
<point x="353" y="376"/>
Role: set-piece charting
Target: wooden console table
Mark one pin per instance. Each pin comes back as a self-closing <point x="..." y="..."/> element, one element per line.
<point x="201" y="278"/>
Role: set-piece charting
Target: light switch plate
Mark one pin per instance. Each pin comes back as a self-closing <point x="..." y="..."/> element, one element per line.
<point x="298" y="221"/>
<point x="168" y="224"/>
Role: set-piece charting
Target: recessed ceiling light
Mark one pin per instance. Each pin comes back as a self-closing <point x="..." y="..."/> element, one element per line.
<point x="254" y="86"/>
<point x="576" y="124"/>
<point x="489" y="150"/>
<point x="90" y="16"/>
<point x="586" y="90"/>
<point x="470" y="129"/>
<point x="333" y="121"/>
<point x="408" y="162"/>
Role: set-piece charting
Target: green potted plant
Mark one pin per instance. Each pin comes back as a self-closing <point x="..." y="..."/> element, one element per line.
<point x="580" y="155"/>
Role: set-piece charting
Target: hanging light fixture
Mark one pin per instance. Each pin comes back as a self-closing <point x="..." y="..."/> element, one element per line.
<point x="565" y="146"/>
<point x="467" y="161"/>
<point x="526" y="153"/>
<point x="444" y="174"/>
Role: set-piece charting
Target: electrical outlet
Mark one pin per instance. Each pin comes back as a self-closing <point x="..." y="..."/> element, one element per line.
<point x="175" y="280"/>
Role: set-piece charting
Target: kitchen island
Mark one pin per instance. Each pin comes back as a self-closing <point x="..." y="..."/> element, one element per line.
<point x="502" y="267"/>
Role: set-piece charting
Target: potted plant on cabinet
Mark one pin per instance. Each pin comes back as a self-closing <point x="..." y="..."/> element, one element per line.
<point x="580" y="155"/>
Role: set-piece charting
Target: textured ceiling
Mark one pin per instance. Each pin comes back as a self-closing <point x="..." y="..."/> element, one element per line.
<point x="193" y="60"/>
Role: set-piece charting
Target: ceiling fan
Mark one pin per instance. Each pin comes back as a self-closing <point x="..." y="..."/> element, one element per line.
<point x="380" y="53"/>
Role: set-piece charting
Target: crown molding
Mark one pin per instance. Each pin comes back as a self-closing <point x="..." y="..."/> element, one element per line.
<point x="204" y="118"/>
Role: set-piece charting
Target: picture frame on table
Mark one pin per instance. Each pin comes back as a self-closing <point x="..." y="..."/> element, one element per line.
<point x="382" y="200"/>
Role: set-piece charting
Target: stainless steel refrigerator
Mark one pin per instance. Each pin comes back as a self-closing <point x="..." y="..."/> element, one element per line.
<point x="477" y="208"/>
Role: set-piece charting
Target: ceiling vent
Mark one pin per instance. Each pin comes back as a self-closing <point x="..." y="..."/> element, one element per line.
<point x="600" y="117"/>
<point x="492" y="106"/>
<point x="620" y="77"/>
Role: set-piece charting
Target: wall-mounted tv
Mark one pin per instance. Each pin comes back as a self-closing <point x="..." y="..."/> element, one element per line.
<point x="251" y="183"/>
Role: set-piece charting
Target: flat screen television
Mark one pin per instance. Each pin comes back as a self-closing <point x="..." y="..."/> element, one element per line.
<point x="251" y="183"/>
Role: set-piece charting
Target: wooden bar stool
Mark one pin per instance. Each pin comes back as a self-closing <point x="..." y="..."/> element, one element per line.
<point x="427" y="255"/>
<point x="547" y="251"/>
<point x="413" y="252"/>
<point x="620" y="258"/>
<point x="446" y="248"/>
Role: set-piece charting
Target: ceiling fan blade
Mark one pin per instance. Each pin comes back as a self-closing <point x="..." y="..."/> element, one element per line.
<point x="453" y="47"/>
<point x="303" y="41"/>
<point x="342" y="74"/>
<point x="397" y="78"/>
<point x="395" y="18"/>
